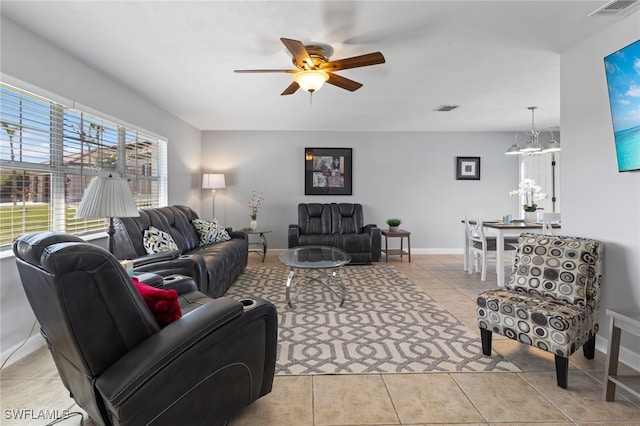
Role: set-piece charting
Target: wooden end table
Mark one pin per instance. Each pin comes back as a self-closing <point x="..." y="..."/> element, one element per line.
<point x="400" y="233"/>
<point x="629" y="321"/>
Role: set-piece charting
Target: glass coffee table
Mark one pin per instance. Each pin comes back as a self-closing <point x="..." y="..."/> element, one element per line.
<point x="321" y="264"/>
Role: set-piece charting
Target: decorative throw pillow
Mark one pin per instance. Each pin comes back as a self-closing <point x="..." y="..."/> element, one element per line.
<point x="210" y="232"/>
<point x="156" y="241"/>
<point x="163" y="303"/>
<point x="556" y="266"/>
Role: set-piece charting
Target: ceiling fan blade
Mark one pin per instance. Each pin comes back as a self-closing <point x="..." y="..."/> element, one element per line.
<point x="291" y="89"/>
<point x="298" y="51"/>
<point x="343" y="83"/>
<point x="354" y="62"/>
<point x="263" y="71"/>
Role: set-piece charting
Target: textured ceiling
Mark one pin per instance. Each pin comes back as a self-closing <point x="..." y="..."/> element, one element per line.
<point x="492" y="58"/>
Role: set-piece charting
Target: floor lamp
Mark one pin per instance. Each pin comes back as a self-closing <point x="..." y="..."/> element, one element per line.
<point x="213" y="181"/>
<point x="107" y="197"/>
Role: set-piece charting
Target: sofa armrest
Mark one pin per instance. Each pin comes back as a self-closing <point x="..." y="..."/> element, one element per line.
<point x="155" y="257"/>
<point x="376" y="241"/>
<point x="237" y="234"/>
<point x="201" y="353"/>
<point x="293" y="236"/>
<point x="191" y="265"/>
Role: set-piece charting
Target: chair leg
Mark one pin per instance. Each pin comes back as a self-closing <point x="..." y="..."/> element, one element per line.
<point x="589" y="348"/>
<point x="483" y="276"/>
<point x="562" y="371"/>
<point x="485" y="336"/>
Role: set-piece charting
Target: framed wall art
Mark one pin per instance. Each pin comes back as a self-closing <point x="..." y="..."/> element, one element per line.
<point x="328" y="171"/>
<point x="468" y="168"/>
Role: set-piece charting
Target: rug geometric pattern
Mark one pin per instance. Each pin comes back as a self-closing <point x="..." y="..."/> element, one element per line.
<point x="386" y="325"/>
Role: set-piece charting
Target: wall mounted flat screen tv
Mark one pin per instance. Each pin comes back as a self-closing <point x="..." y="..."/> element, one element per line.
<point x="623" y="81"/>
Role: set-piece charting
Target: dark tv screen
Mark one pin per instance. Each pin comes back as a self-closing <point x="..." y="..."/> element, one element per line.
<point x="623" y="81"/>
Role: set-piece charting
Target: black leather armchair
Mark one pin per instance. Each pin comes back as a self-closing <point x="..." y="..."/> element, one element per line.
<point x="337" y="225"/>
<point x="116" y="361"/>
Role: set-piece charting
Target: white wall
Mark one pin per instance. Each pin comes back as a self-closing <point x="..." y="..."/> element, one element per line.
<point x="30" y="59"/>
<point x="395" y="174"/>
<point x="598" y="201"/>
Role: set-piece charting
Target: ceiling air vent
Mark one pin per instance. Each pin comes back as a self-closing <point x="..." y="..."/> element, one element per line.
<point x="615" y="8"/>
<point x="446" y="108"/>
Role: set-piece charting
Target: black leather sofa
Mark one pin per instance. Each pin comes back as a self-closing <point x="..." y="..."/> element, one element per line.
<point x="214" y="267"/>
<point x="337" y="225"/>
<point x="116" y="361"/>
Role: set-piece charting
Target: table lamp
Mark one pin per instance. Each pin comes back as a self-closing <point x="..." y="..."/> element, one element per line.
<point x="213" y="181"/>
<point x="107" y="197"/>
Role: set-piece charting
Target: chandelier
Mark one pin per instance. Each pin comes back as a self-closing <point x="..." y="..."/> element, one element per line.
<point x="532" y="146"/>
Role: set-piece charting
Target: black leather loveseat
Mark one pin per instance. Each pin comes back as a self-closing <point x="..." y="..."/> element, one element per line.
<point x="337" y="225"/>
<point x="214" y="267"/>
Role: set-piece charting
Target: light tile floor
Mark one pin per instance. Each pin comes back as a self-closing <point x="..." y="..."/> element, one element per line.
<point x="502" y="398"/>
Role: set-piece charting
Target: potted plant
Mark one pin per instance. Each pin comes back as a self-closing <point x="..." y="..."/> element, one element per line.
<point x="530" y="193"/>
<point x="393" y="224"/>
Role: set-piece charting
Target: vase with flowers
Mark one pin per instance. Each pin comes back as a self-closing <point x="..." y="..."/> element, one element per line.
<point x="530" y="193"/>
<point x="254" y="202"/>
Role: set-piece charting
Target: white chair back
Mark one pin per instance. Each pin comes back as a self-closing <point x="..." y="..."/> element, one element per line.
<point x="548" y="220"/>
<point x="475" y="230"/>
<point x="478" y="247"/>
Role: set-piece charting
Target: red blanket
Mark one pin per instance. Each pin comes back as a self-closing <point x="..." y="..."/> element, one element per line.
<point x="163" y="303"/>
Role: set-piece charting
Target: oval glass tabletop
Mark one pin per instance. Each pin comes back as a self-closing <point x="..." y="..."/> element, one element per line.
<point x="314" y="257"/>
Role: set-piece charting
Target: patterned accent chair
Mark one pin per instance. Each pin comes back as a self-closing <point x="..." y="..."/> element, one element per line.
<point x="551" y="300"/>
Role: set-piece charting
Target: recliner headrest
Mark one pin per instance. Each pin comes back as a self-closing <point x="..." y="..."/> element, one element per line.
<point x="29" y="247"/>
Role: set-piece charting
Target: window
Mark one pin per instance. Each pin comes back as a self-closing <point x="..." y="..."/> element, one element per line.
<point x="48" y="154"/>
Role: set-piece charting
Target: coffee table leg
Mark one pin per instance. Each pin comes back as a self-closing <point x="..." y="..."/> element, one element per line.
<point x="337" y="278"/>
<point x="288" y="289"/>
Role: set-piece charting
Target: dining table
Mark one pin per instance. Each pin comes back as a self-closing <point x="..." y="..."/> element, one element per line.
<point x="501" y="230"/>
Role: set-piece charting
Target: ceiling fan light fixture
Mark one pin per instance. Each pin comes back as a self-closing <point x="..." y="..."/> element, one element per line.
<point x="310" y="80"/>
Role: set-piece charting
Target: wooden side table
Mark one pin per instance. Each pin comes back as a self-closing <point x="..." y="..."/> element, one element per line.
<point x="629" y="321"/>
<point x="400" y="233"/>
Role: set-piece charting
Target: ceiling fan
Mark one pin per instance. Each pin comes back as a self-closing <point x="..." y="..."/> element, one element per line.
<point x="314" y="67"/>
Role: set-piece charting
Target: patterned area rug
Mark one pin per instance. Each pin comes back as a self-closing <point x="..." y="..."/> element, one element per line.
<point x="387" y="325"/>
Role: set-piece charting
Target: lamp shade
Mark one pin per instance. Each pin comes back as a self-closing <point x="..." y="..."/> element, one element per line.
<point x="552" y="146"/>
<point x="213" y="181"/>
<point x="531" y="146"/>
<point x="310" y="80"/>
<point x="107" y="197"/>
<point x="513" y="150"/>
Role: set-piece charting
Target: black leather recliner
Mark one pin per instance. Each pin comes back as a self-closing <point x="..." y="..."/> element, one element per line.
<point x="116" y="361"/>
<point x="336" y="225"/>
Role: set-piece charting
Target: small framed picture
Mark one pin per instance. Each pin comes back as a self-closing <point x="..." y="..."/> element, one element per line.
<point x="468" y="168"/>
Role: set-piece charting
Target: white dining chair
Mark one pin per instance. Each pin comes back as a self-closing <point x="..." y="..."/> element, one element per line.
<point x="548" y="220"/>
<point x="481" y="247"/>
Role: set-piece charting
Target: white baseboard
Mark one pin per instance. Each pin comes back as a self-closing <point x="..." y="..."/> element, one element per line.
<point x="32" y="344"/>
<point x="437" y="251"/>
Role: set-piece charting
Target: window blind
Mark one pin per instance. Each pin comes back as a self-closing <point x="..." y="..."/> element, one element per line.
<point x="48" y="154"/>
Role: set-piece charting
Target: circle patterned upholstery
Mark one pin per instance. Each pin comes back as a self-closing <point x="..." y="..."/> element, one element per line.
<point x="552" y="297"/>
<point x="555" y="266"/>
